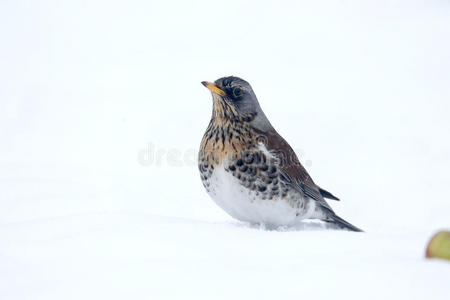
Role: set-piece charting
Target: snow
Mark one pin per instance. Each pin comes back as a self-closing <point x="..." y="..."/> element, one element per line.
<point x="141" y="256"/>
<point x="102" y="112"/>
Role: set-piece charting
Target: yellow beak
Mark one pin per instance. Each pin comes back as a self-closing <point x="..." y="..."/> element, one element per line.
<point x="213" y="88"/>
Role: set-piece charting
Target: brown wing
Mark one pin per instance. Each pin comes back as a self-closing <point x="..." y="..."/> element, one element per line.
<point x="291" y="170"/>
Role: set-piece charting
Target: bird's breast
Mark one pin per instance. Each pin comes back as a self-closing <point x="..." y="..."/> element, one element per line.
<point x="244" y="178"/>
<point x="224" y="138"/>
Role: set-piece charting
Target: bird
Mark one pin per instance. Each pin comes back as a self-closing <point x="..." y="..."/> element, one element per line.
<point x="250" y="171"/>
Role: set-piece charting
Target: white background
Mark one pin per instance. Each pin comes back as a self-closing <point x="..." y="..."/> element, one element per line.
<point x="102" y="113"/>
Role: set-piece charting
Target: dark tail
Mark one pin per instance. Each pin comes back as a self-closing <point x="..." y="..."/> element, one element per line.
<point x="343" y="224"/>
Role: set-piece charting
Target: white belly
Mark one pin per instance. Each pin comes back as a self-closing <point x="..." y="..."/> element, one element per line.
<point x="243" y="204"/>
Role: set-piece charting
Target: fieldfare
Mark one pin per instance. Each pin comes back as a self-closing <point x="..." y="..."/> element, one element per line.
<point x="250" y="171"/>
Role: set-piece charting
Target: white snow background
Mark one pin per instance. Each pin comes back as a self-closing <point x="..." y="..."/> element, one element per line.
<point x="102" y="113"/>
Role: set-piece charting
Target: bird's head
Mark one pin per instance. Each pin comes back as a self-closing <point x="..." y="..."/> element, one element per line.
<point x="234" y="100"/>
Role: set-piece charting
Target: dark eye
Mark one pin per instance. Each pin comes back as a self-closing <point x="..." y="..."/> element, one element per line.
<point x="237" y="92"/>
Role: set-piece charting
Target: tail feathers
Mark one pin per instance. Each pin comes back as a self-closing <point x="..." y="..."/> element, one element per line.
<point x="343" y="224"/>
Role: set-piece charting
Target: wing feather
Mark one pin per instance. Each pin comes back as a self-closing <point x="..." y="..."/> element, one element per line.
<point x="291" y="170"/>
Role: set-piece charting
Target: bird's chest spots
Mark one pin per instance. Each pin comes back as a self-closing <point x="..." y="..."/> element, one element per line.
<point x="237" y="151"/>
<point x="223" y="140"/>
<point x="253" y="171"/>
<point x="258" y="173"/>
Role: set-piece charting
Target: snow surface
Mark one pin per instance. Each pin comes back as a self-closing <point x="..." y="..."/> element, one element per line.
<point x="102" y="112"/>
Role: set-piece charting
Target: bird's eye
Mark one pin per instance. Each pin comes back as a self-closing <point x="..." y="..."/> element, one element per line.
<point x="237" y="92"/>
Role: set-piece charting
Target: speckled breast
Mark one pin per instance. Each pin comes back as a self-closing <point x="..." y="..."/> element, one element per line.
<point x="243" y="178"/>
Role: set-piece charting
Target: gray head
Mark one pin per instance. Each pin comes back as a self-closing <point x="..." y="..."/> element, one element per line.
<point x="235" y="100"/>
